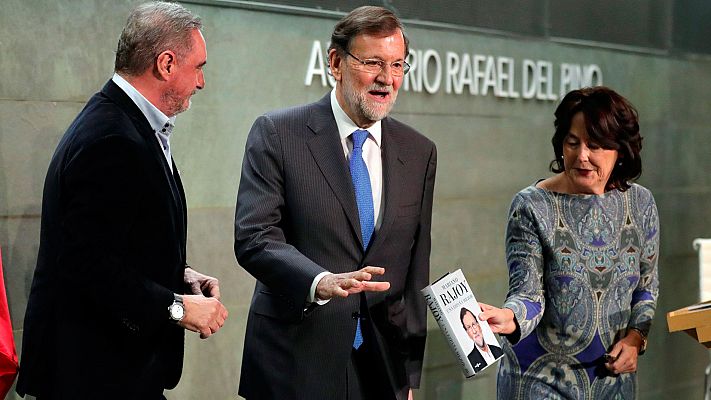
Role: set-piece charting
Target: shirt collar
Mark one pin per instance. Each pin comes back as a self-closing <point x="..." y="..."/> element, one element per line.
<point x="346" y="126"/>
<point x="160" y="123"/>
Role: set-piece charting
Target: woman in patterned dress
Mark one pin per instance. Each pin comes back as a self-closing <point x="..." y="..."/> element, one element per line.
<point x="582" y="249"/>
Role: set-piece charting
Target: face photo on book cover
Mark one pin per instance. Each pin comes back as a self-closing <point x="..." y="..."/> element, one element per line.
<point x="484" y="344"/>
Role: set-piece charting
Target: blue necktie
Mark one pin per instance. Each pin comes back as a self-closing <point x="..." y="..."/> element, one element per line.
<point x="364" y="200"/>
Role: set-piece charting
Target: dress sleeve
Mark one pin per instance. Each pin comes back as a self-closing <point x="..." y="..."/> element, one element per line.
<point x="644" y="297"/>
<point x="524" y="256"/>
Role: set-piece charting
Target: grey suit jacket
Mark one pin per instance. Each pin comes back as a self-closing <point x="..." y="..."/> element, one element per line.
<point x="297" y="217"/>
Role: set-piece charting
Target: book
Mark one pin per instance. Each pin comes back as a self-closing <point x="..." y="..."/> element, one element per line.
<point x="456" y="310"/>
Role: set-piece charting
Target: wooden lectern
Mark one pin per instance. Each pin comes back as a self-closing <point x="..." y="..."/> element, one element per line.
<point x="694" y="320"/>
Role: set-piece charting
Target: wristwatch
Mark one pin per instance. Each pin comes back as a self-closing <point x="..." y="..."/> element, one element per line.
<point x="644" y="340"/>
<point x="176" y="311"/>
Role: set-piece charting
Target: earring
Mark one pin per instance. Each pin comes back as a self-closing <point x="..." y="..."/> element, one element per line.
<point x="619" y="163"/>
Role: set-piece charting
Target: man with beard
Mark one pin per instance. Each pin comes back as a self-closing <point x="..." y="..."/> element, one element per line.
<point x="333" y="220"/>
<point x="106" y="313"/>
<point x="483" y="353"/>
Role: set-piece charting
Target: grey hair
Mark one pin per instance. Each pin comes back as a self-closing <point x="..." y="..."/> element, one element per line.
<point x="151" y="29"/>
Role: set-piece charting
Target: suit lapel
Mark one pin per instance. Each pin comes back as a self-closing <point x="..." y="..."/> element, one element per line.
<point x="117" y="95"/>
<point x="393" y="168"/>
<point x="327" y="151"/>
<point x="170" y="177"/>
<point x="183" y="208"/>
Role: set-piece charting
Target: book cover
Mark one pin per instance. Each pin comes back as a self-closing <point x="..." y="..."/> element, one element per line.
<point x="456" y="310"/>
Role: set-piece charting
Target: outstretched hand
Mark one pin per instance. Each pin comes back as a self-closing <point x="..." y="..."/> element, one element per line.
<point x="342" y="285"/>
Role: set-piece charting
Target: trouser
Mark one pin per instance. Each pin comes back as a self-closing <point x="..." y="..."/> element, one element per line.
<point x="366" y="377"/>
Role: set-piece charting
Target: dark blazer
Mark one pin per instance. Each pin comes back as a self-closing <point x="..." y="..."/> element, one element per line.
<point x="296" y="217"/>
<point x="112" y="253"/>
<point x="477" y="359"/>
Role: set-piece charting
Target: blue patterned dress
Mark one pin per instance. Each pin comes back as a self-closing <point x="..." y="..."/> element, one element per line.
<point x="582" y="270"/>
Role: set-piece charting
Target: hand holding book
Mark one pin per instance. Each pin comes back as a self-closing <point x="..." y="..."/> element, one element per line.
<point x="458" y="314"/>
<point x="500" y="320"/>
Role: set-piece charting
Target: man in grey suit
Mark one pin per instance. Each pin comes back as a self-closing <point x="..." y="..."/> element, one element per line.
<point x="333" y="220"/>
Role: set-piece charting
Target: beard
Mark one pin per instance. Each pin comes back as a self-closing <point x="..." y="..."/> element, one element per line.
<point x="365" y="107"/>
<point x="175" y="104"/>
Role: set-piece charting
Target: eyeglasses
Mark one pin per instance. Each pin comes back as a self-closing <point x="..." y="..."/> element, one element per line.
<point x="374" y="66"/>
<point x="472" y="326"/>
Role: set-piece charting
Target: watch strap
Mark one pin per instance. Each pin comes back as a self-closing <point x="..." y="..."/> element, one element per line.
<point x="644" y="340"/>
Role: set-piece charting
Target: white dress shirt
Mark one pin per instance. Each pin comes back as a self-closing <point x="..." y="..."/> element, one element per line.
<point x="488" y="355"/>
<point x="373" y="160"/>
<point x="161" y="124"/>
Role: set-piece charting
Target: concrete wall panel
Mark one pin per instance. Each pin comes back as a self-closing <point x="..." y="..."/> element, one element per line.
<point x="56" y="55"/>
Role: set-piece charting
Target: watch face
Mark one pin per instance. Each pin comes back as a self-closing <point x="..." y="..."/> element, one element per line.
<point x="176" y="311"/>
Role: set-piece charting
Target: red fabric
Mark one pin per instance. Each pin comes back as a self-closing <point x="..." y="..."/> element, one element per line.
<point x="8" y="355"/>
